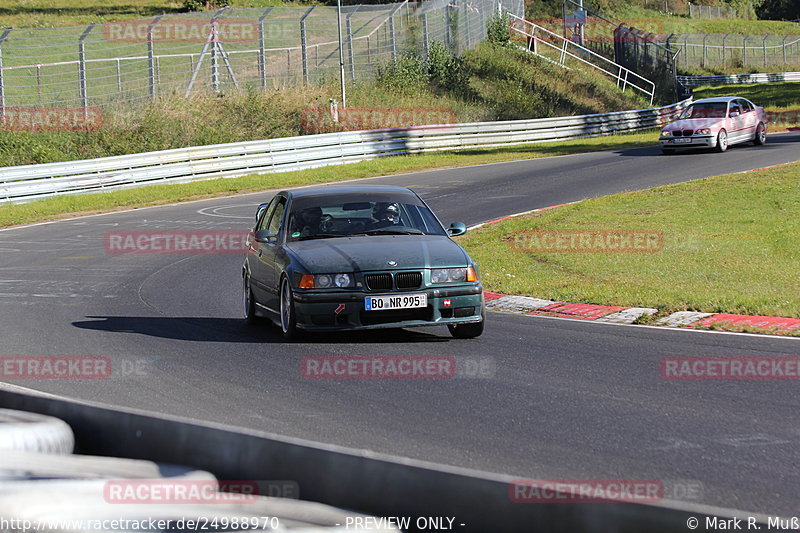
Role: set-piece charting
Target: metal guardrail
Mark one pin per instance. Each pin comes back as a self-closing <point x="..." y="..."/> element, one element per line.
<point x="29" y="182"/>
<point x="775" y="77"/>
<point x="538" y="36"/>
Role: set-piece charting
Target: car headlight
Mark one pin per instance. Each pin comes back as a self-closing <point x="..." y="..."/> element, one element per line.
<point x="703" y="131"/>
<point x="453" y="275"/>
<point x="326" y="281"/>
<point x="666" y="133"/>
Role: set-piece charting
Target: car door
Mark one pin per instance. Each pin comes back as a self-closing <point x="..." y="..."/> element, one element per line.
<point x="749" y="119"/>
<point x="737" y="132"/>
<point x="268" y="254"/>
<point x="259" y="275"/>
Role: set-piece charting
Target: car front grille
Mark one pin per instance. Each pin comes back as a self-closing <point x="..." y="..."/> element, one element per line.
<point x="384" y="281"/>
<point x="378" y="282"/>
<point x="408" y="280"/>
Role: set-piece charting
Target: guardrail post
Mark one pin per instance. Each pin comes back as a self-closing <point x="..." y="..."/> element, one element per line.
<point x="262" y="58"/>
<point x="303" y="43"/>
<point x="350" y="55"/>
<point x="2" y="82"/>
<point x="151" y="73"/>
<point x="82" y="71"/>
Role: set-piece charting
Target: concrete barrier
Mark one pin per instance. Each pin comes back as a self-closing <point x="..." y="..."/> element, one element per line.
<point x="359" y="480"/>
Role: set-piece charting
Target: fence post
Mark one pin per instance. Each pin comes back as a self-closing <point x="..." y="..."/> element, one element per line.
<point x="705" y="49"/>
<point x="724" y="37"/>
<point x="425" y="36"/>
<point x="392" y="37"/>
<point x="82" y="71"/>
<point x="350" y="55"/>
<point x="447" y="25"/>
<point x="467" y="41"/>
<point x="764" y="46"/>
<point x="262" y="59"/>
<point x="744" y="50"/>
<point x="303" y="47"/>
<point x="151" y="74"/>
<point x="2" y="83"/>
<point x="784" y="48"/>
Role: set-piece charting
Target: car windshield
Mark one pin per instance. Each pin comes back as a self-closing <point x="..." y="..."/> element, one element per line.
<point x="705" y="110"/>
<point x="344" y="216"/>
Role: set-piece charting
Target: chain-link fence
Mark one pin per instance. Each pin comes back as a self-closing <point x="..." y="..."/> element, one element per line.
<point x="103" y="64"/>
<point x="711" y="12"/>
<point x="735" y="50"/>
<point x="644" y="54"/>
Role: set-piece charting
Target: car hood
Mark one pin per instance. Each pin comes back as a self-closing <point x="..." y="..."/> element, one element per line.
<point x="373" y="252"/>
<point x="694" y="123"/>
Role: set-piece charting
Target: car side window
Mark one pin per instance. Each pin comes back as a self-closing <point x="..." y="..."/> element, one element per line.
<point x="745" y="105"/>
<point x="276" y="216"/>
<point x="262" y="223"/>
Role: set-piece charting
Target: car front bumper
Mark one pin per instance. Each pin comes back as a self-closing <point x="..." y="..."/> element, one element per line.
<point x="329" y="310"/>
<point x="695" y="141"/>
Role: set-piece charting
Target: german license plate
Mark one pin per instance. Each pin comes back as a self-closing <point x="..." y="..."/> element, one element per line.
<point x="401" y="301"/>
<point x="683" y="140"/>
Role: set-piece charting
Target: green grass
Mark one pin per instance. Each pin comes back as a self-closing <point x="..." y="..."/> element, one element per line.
<point x="65" y="206"/>
<point x="729" y="246"/>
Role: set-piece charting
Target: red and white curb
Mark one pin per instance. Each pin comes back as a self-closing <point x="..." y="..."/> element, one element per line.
<point x="614" y="314"/>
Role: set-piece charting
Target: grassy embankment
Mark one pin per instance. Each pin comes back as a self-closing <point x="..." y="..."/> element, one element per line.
<point x="740" y="259"/>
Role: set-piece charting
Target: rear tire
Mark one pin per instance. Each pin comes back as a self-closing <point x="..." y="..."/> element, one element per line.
<point x="288" y="321"/>
<point x="760" y="137"/>
<point x="722" y="141"/>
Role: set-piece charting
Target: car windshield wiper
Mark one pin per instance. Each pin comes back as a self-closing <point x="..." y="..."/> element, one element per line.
<point x="392" y="231"/>
<point x="325" y="236"/>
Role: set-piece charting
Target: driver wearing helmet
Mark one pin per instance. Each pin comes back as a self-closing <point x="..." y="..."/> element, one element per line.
<point x="385" y="215"/>
<point x="309" y="221"/>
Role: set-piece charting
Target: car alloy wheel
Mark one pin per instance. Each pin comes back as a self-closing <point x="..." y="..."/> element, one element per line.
<point x="761" y="135"/>
<point x="288" y="321"/>
<point x="722" y="141"/>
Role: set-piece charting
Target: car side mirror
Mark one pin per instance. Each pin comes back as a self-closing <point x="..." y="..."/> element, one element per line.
<point x="265" y="235"/>
<point x="456" y="229"/>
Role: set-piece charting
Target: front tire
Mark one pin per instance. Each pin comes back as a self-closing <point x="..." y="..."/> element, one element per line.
<point x="760" y="137"/>
<point x="722" y="141"/>
<point x="248" y="301"/>
<point x="467" y="331"/>
<point x="288" y="317"/>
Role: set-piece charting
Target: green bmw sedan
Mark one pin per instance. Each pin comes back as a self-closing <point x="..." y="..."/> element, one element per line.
<point x="355" y="257"/>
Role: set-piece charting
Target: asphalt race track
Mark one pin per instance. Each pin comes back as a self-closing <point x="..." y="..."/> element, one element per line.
<point x="568" y="399"/>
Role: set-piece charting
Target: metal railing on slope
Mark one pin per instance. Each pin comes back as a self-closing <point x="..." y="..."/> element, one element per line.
<point x="537" y="36"/>
<point x="29" y="182"/>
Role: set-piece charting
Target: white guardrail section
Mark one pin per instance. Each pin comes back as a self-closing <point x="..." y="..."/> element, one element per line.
<point x="29" y="182"/>
<point x="732" y="79"/>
